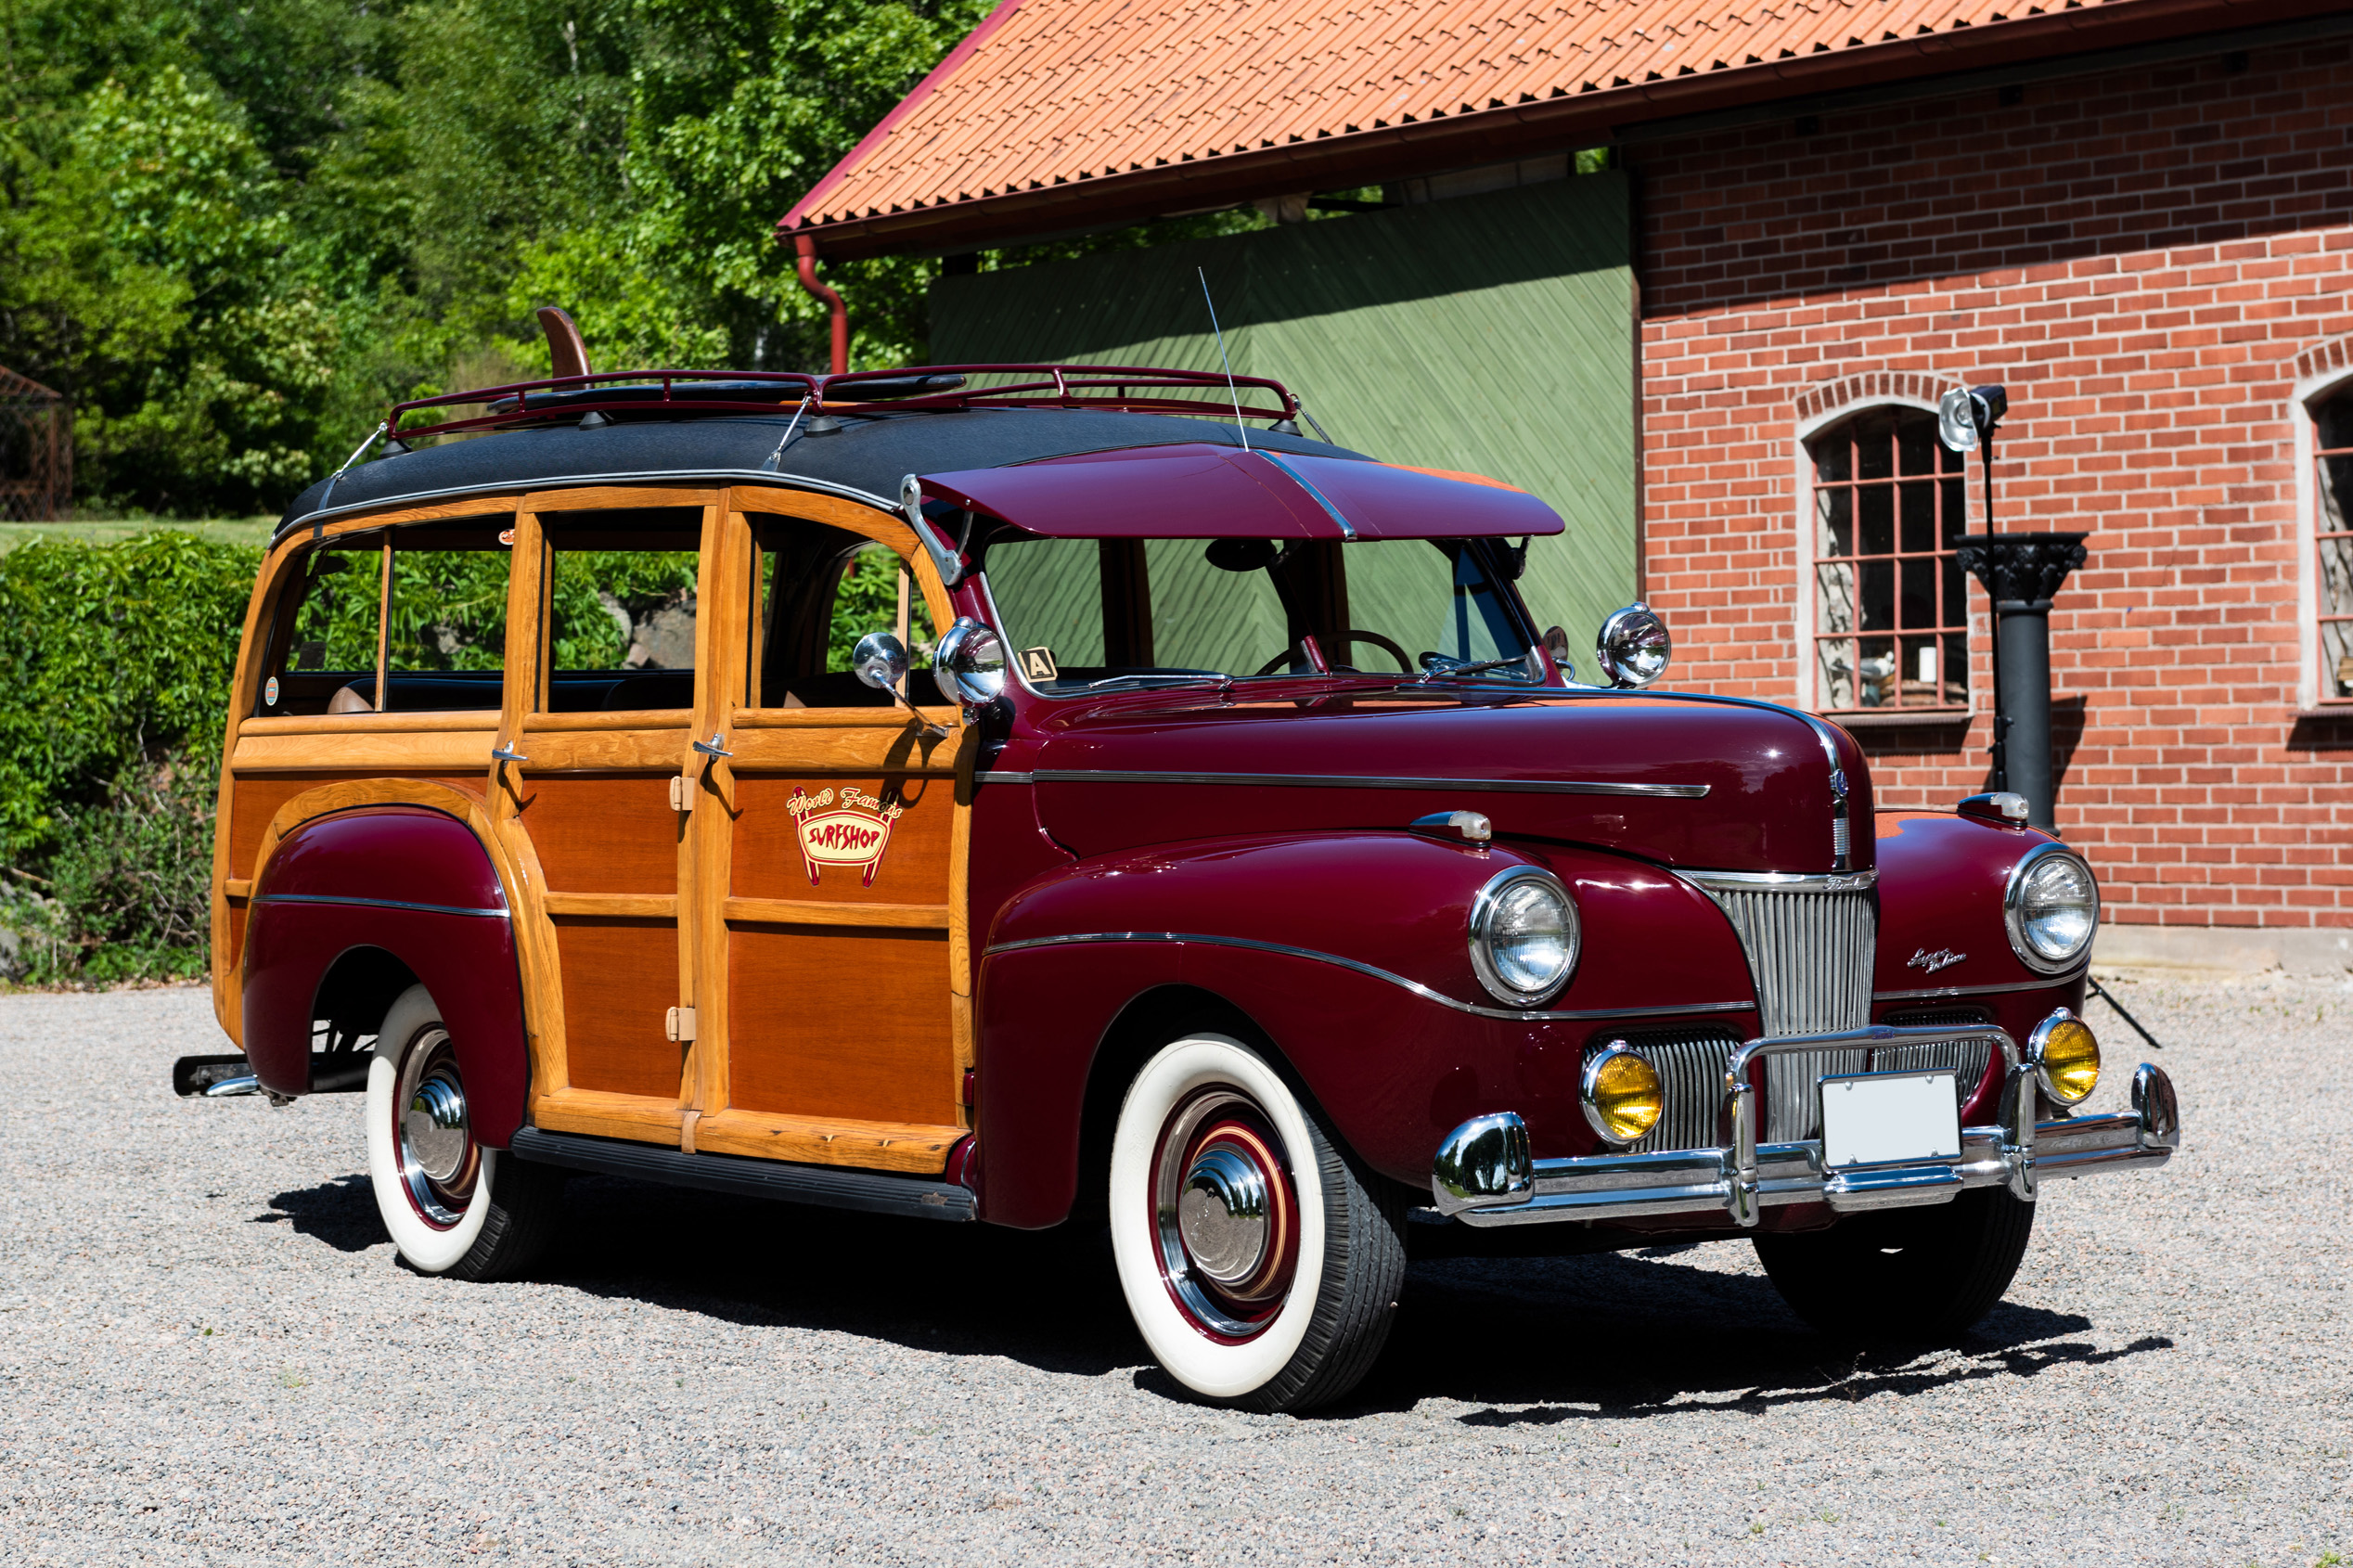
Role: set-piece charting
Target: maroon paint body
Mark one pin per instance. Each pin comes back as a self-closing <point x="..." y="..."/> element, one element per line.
<point x="1395" y="1070"/>
<point x="342" y="882"/>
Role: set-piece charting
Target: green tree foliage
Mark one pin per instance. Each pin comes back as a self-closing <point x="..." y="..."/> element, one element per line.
<point x="233" y="232"/>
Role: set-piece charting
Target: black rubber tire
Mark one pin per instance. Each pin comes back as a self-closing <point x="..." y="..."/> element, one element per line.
<point x="1318" y="1346"/>
<point x="1364" y="1272"/>
<point x="526" y="1204"/>
<point x="1920" y="1275"/>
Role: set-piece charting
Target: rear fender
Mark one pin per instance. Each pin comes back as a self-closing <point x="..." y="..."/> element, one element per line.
<point x="415" y="885"/>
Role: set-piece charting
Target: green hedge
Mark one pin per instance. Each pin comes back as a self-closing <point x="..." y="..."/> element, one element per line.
<point x="115" y="662"/>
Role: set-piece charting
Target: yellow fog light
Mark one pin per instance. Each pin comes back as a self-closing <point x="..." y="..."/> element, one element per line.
<point x="2066" y="1057"/>
<point x="1621" y="1094"/>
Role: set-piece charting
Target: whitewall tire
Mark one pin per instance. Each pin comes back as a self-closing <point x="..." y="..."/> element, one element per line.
<point x="1261" y="1267"/>
<point x="452" y="1206"/>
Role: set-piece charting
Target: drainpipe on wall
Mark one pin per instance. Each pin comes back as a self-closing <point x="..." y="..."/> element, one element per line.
<point x="807" y="249"/>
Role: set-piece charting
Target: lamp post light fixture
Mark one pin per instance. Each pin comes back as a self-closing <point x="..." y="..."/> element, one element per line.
<point x="2022" y="572"/>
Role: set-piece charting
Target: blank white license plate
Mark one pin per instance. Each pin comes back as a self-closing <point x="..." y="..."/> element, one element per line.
<point x="1890" y="1116"/>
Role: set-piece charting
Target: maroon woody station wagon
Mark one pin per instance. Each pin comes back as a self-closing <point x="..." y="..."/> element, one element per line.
<point x="1263" y="881"/>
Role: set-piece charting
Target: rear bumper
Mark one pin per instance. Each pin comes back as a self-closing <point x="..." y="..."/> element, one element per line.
<point x="1482" y="1175"/>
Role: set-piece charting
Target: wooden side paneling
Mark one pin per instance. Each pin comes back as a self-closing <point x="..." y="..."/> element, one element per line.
<point x="887" y="1146"/>
<point x="768" y="863"/>
<point x="840" y="1024"/>
<point x="644" y="1118"/>
<point x="620" y="981"/>
<point x="258" y="797"/>
<point x="602" y="834"/>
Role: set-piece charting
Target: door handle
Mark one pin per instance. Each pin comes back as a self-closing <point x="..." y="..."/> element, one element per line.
<point x="504" y="755"/>
<point x="712" y="748"/>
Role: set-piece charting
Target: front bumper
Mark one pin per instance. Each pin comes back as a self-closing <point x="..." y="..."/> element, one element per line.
<point x="1484" y="1174"/>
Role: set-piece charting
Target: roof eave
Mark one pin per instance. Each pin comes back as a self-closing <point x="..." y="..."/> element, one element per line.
<point x="1518" y="130"/>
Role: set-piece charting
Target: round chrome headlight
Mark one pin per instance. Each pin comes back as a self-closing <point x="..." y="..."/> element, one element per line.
<point x="1524" y="935"/>
<point x="970" y="664"/>
<point x="1633" y="648"/>
<point x="2052" y="909"/>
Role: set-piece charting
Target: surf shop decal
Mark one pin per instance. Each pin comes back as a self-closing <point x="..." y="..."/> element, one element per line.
<point x="853" y="832"/>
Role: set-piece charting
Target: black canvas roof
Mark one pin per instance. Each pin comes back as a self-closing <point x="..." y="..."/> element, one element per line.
<point x="866" y="458"/>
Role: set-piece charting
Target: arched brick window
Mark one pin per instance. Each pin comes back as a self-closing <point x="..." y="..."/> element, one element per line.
<point x="2332" y="534"/>
<point x="1891" y="613"/>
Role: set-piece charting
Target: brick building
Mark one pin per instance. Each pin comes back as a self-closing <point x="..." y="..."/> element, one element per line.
<point x="2137" y="216"/>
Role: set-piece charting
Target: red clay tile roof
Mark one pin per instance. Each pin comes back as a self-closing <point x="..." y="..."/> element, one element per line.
<point x="1055" y="114"/>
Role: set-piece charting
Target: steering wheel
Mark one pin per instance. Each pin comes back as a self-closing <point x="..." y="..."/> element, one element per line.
<point x="1351" y="635"/>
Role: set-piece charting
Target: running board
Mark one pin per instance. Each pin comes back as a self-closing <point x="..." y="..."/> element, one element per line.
<point x="872" y="1191"/>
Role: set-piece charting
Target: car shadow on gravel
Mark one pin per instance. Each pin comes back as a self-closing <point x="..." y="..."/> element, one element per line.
<point x="1614" y="1335"/>
<point x="1604" y="1335"/>
<point x="1045" y="1299"/>
<point x="341" y="1212"/>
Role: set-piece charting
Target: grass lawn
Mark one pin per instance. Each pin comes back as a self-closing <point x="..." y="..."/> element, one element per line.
<point x="231" y="529"/>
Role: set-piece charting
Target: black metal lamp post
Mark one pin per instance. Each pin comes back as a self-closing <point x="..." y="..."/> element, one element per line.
<point x="2022" y="574"/>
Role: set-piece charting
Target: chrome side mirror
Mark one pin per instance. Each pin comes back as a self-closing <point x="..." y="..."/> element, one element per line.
<point x="970" y="664"/>
<point x="1556" y="643"/>
<point x="1633" y="648"/>
<point x="879" y="660"/>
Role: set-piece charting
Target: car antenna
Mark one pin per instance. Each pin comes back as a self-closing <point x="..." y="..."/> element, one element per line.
<point x="1239" y="429"/>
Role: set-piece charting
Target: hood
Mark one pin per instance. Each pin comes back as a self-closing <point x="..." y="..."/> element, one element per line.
<point x="1691" y="782"/>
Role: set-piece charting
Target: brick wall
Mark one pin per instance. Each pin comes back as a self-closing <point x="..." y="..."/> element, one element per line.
<point x="2151" y="260"/>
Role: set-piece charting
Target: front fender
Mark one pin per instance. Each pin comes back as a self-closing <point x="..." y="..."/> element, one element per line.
<point x="1351" y="951"/>
<point x="414" y="884"/>
<point x="1941" y="879"/>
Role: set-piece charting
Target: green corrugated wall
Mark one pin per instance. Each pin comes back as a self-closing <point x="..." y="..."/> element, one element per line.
<point x="1490" y="333"/>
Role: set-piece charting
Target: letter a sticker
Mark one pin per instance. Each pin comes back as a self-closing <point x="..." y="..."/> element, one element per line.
<point x="1037" y="663"/>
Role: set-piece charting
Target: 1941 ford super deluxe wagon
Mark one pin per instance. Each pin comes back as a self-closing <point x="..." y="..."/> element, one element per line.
<point x="1261" y="879"/>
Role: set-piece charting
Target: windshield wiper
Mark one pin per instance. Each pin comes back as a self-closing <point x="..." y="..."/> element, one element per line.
<point x="1480" y="667"/>
<point x="1115" y="680"/>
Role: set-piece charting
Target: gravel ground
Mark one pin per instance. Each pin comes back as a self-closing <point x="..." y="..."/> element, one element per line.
<point x="208" y="1355"/>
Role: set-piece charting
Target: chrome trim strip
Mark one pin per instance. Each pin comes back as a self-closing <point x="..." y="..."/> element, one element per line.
<point x="767" y="479"/>
<point x="1251" y="944"/>
<point x="1348" y="529"/>
<point x="1783" y="882"/>
<point x="1933" y="992"/>
<point x="376" y="904"/>
<point x="1354" y="782"/>
<point x="1002" y="777"/>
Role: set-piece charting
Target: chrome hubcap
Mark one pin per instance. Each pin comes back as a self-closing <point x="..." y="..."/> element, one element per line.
<point x="440" y="1165"/>
<point x="1225" y="1214"/>
<point x="1222" y="1217"/>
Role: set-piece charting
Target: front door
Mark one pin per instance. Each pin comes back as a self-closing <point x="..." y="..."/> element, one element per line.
<point x="834" y="949"/>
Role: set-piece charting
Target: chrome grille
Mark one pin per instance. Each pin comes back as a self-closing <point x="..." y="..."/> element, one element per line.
<point x="1810" y="952"/>
<point x="1966" y="1060"/>
<point x="1689" y="1064"/>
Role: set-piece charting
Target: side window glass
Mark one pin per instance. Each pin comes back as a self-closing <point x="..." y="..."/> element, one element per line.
<point x="443" y="642"/>
<point x="620" y="610"/>
<point x="327" y="659"/>
<point x="817" y="591"/>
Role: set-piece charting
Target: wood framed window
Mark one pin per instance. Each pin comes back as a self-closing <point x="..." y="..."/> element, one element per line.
<point x="1891" y="611"/>
<point x="2332" y="539"/>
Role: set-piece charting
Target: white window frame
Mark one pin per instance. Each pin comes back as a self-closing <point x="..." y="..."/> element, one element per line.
<point x="2304" y="401"/>
<point x="1808" y="686"/>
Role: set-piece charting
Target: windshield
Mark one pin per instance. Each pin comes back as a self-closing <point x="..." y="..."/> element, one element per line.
<point x="1082" y="613"/>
